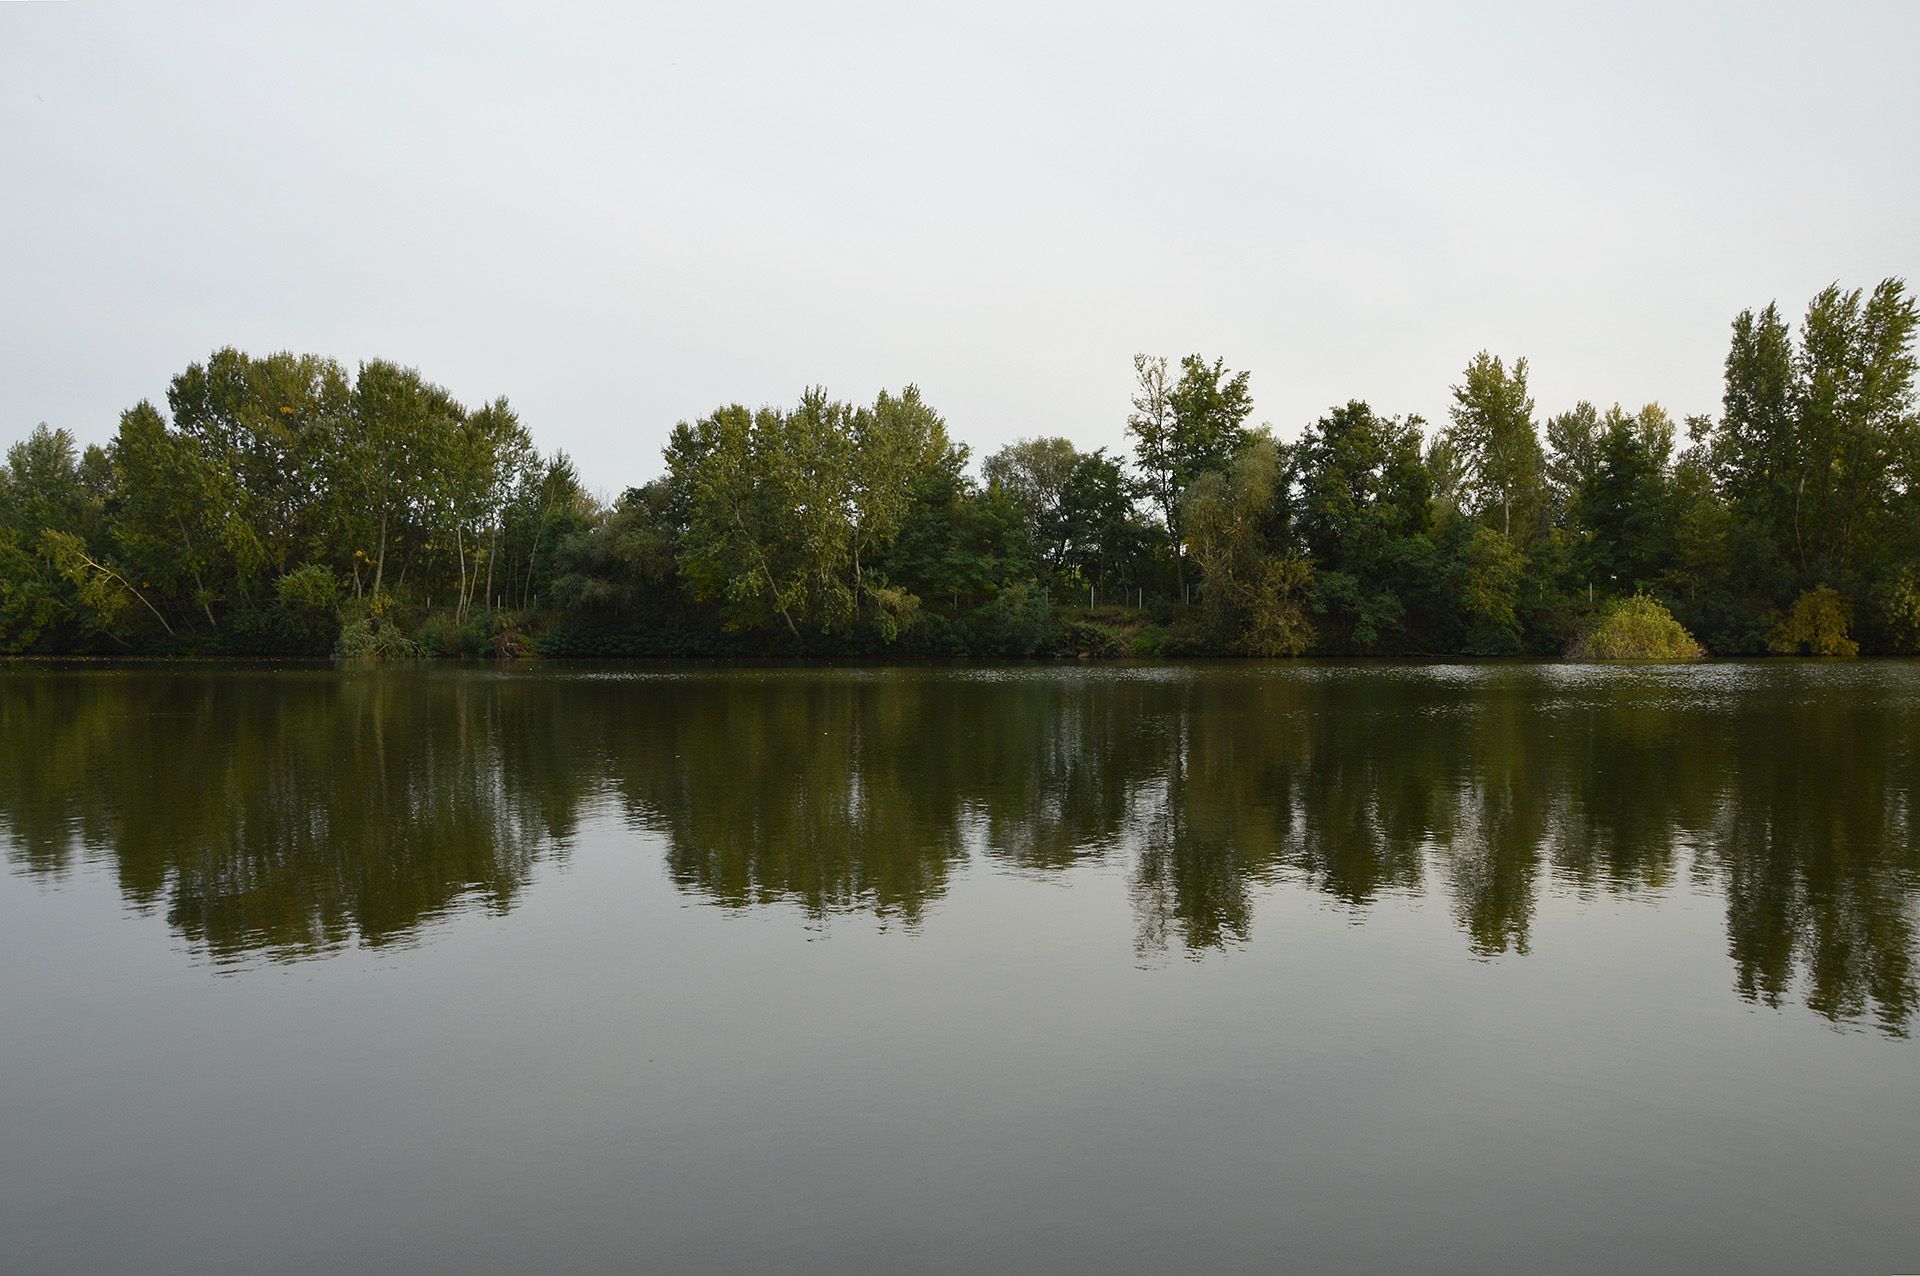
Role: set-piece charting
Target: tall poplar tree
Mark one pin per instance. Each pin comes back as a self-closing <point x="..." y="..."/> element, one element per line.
<point x="1493" y="434"/>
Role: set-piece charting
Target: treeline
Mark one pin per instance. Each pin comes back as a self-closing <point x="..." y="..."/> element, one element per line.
<point x="282" y="505"/>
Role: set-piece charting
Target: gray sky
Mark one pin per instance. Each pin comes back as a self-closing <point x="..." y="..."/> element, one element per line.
<point x="620" y="217"/>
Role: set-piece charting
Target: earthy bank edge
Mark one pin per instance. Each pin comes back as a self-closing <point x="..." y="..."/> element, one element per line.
<point x="282" y="506"/>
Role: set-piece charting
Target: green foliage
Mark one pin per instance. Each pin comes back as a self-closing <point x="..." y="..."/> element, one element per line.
<point x="375" y="637"/>
<point x="1235" y="521"/>
<point x="1090" y="638"/>
<point x="1106" y="540"/>
<point x="309" y="605"/>
<point x="1816" y="447"/>
<point x="1820" y="624"/>
<point x="1183" y="430"/>
<point x="182" y="534"/>
<point x="1149" y="643"/>
<point x="268" y="499"/>
<point x="1898" y="603"/>
<point x="43" y="490"/>
<point x="1365" y="507"/>
<point x="1502" y="467"/>
<point x="616" y="567"/>
<point x="1635" y="628"/>
<point x="1077" y="508"/>
<point x="447" y="635"/>
<point x="1371" y="617"/>
<point x="1035" y="474"/>
<point x="106" y="599"/>
<point x="1275" y="602"/>
<point x="1623" y="506"/>
<point x="1018" y="621"/>
<point x="1490" y="575"/>
<point x="787" y="510"/>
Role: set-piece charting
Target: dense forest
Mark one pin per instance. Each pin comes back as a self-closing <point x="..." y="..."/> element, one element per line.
<point x="283" y="505"/>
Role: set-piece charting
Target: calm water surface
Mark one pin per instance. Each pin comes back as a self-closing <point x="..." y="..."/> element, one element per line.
<point x="1342" y="966"/>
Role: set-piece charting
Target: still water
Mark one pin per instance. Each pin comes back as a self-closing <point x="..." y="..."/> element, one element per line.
<point x="1234" y="967"/>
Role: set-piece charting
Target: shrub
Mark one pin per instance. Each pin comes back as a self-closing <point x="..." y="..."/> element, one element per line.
<point x="1089" y="638"/>
<point x="309" y="589"/>
<point x="1150" y="643"/>
<point x="510" y="640"/>
<point x="1819" y="625"/>
<point x="309" y="608"/>
<point x="1277" y="623"/>
<point x="1636" y="628"/>
<point x="1017" y="622"/>
<point x="375" y="638"/>
<point x="1898" y="602"/>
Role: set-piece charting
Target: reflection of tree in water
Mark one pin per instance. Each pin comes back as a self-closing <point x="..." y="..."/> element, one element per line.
<point x="295" y="813"/>
<point x="288" y="815"/>
<point x="1819" y="856"/>
<point x="826" y="791"/>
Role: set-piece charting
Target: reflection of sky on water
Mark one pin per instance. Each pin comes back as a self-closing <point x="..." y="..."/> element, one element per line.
<point x="290" y="816"/>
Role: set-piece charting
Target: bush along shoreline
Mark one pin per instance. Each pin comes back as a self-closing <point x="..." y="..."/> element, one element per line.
<point x="1636" y="628"/>
<point x="286" y="505"/>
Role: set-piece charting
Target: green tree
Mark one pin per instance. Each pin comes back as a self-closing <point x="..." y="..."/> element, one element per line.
<point x="1490" y="572"/>
<point x="1854" y="407"/>
<point x="547" y="507"/>
<point x="1255" y="589"/>
<point x="1815" y="448"/>
<point x="43" y="490"/>
<point x="1572" y="458"/>
<point x="1752" y="449"/>
<point x="1704" y="580"/>
<point x="1078" y="508"/>
<point x="1182" y="430"/>
<point x="1103" y="535"/>
<point x="178" y="518"/>
<point x="1820" y="624"/>
<point x="1364" y="495"/>
<point x="1036" y="474"/>
<point x="386" y="466"/>
<point x="489" y="454"/>
<point x="1623" y="509"/>
<point x="959" y="548"/>
<point x="1503" y="466"/>
<point x="787" y="509"/>
<point x="254" y="420"/>
<point x="895" y="441"/>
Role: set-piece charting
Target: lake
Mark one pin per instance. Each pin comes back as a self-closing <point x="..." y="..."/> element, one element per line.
<point x="1339" y="966"/>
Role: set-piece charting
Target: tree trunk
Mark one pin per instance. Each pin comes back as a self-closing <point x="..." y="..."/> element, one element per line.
<point x="526" y="587"/>
<point x="492" y="549"/>
<point x="1799" y="545"/>
<point x="380" y="559"/>
<point x="127" y="585"/>
<point x="460" y="554"/>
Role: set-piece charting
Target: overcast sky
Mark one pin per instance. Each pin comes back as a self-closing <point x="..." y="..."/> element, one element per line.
<point x="620" y="217"/>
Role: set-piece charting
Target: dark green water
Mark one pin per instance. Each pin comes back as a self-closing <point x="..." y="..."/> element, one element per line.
<point x="1341" y="966"/>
